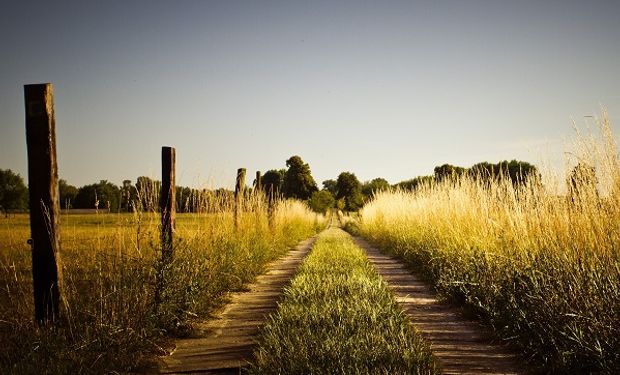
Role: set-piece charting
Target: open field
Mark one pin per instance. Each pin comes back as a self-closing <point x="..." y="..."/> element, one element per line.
<point x="109" y="263"/>
<point x="339" y="317"/>
<point x="310" y="187"/>
<point x="542" y="268"/>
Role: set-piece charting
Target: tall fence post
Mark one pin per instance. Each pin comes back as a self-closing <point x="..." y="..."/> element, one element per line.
<point x="239" y="189"/>
<point x="44" y="204"/>
<point x="167" y="205"/>
<point x="168" y="200"/>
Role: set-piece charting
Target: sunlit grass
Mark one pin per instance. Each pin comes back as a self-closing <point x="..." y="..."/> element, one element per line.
<point x="339" y="317"/>
<point x="109" y="262"/>
<point x="542" y="266"/>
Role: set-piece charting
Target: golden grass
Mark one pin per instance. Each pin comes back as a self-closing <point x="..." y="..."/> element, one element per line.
<point x="541" y="265"/>
<point x="109" y="265"/>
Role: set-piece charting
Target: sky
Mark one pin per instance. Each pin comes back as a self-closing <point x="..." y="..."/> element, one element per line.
<point x="380" y="88"/>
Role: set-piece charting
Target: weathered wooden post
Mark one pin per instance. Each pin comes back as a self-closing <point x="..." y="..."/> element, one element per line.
<point x="44" y="204"/>
<point x="167" y="205"/>
<point x="258" y="184"/>
<point x="259" y="199"/>
<point x="168" y="200"/>
<point x="271" y="207"/>
<point x="239" y="189"/>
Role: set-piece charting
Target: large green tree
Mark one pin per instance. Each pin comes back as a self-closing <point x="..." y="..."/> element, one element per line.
<point x="582" y="183"/>
<point x="298" y="181"/>
<point x="272" y="181"/>
<point x="518" y="172"/>
<point x="448" y="171"/>
<point x="374" y="186"/>
<point x="415" y="183"/>
<point x="13" y="191"/>
<point x="321" y="201"/>
<point x="330" y="185"/>
<point x="101" y="195"/>
<point x="350" y="190"/>
<point x="484" y="171"/>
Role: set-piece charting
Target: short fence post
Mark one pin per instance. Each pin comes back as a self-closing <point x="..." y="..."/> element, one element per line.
<point x="168" y="200"/>
<point x="239" y="189"/>
<point x="258" y="184"/>
<point x="44" y="204"/>
<point x="271" y="207"/>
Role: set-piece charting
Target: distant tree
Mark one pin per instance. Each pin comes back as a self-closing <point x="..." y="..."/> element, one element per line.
<point x="86" y="197"/>
<point x="415" y="183"/>
<point x="582" y="183"/>
<point x="103" y="195"/>
<point x="322" y="201"/>
<point x="298" y="182"/>
<point x="67" y="194"/>
<point x="448" y="171"/>
<point x="330" y="185"/>
<point x="13" y="192"/>
<point x="484" y="171"/>
<point x="350" y="190"/>
<point x="273" y="180"/>
<point x="128" y="196"/>
<point x="519" y="172"/>
<point x="373" y="186"/>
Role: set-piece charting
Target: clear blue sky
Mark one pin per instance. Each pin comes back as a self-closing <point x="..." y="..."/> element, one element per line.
<point x="380" y="88"/>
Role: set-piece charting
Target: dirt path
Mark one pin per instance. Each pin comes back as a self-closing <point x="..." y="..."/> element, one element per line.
<point x="228" y="340"/>
<point x="461" y="346"/>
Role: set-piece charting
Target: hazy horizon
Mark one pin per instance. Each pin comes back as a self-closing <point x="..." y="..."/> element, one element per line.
<point x="388" y="89"/>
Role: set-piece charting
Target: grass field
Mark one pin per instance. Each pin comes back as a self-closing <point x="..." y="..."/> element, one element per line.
<point x="339" y="317"/>
<point x="543" y="267"/>
<point x="109" y="262"/>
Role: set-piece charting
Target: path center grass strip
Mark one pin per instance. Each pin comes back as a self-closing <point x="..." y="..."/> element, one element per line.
<point x="339" y="317"/>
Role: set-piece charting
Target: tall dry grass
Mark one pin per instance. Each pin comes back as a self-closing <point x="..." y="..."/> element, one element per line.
<point x="111" y="322"/>
<point x="540" y="262"/>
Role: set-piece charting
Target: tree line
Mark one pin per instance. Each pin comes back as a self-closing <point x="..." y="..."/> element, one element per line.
<point x="104" y="195"/>
<point x="346" y="192"/>
<point x="518" y="172"/>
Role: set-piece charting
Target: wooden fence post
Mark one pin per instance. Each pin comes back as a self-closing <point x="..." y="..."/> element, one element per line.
<point x="271" y="207"/>
<point x="167" y="205"/>
<point x="168" y="201"/>
<point x="239" y="189"/>
<point x="44" y="204"/>
<point x="258" y="184"/>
